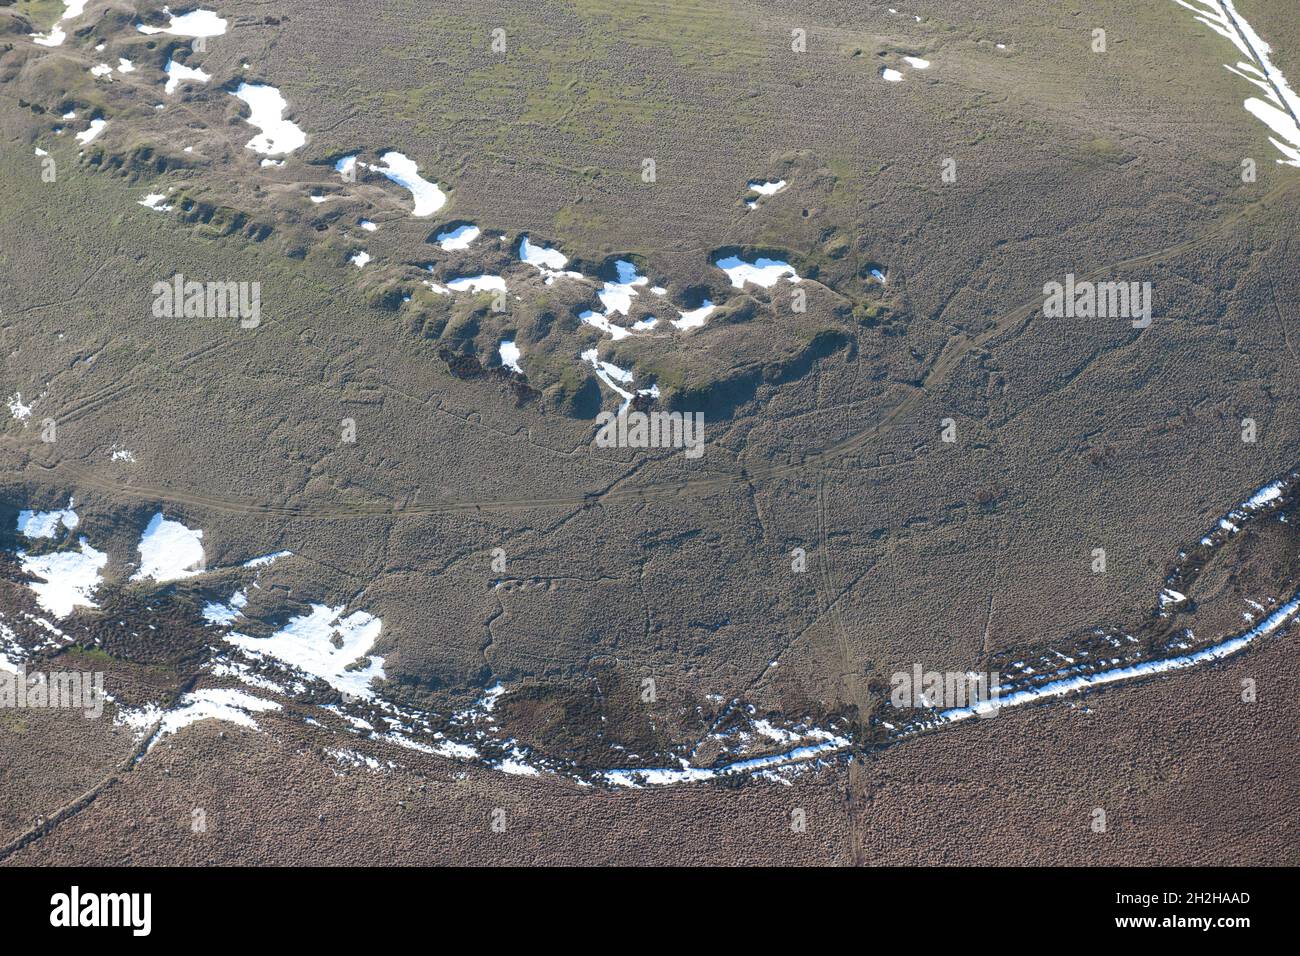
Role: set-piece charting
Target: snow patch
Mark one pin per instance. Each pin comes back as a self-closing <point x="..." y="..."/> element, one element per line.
<point x="459" y="238"/>
<point x="1281" y="106"/>
<point x="266" y="112"/>
<point x="762" y="272"/>
<point x="45" y="524"/>
<point x="169" y="551"/>
<point x="17" y="409"/>
<point x="541" y="257"/>
<point x="71" y="10"/>
<point x="696" y="317"/>
<point x="510" y="355"/>
<point x="617" y="296"/>
<point x="177" y="73"/>
<point x="324" y="644"/>
<point x="267" y="559"/>
<point x="96" y="127"/>
<point x="215" y="612"/>
<point x="68" y="578"/>
<point x="213" y="703"/>
<point x="480" y="283"/>
<point x="403" y="171"/>
<point x="196" y="23"/>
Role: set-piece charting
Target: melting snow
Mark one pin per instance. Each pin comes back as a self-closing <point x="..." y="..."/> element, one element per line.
<point x="403" y="171"/>
<point x="762" y="272"/>
<point x="45" y="524"/>
<point x="1265" y="495"/>
<point x="483" y="283"/>
<point x="510" y="355"/>
<point x="169" y="551"/>
<point x="96" y="127"/>
<point x="1059" y="688"/>
<point x="917" y="63"/>
<point x="177" y="73"/>
<point x="17" y="409"/>
<point x="541" y="257"/>
<point x="355" y="759"/>
<point x="615" y="332"/>
<point x="517" y="768"/>
<point x="609" y="373"/>
<point x="1080" y="682"/>
<point x="696" y="317"/>
<point x="267" y="559"/>
<point x="215" y="612"/>
<point x="69" y="577"/>
<point x="1282" y="105"/>
<point x="1170" y="596"/>
<point x="266" y="108"/>
<point x="71" y="10"/>
<point x="458" y="238"/>
<point x="893" y="76"/>
<point x="213" y="703"/>
<point x="617" y="296"/>
<point x="324" y="644"/>
<point x="155" y="201"/>
<point x="359" y="259"/>
<point x="689" y="774"/>
<point x="196" y="23"/>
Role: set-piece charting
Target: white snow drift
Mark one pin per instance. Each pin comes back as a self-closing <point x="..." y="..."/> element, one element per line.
<point x="71" y="10"/>
<point x="169" y="551"/>
<point x="325" y="644"/>
<point x="459" y="238"/>
<point x="266" y="108"/>
<point x="762" y="271"/>
<point x="177" y="73"/>
<point x="196" y="23"/>
<point x="403" y="171"/>
<point x="1281" y="105"/>
<point x="68" y="579"/>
